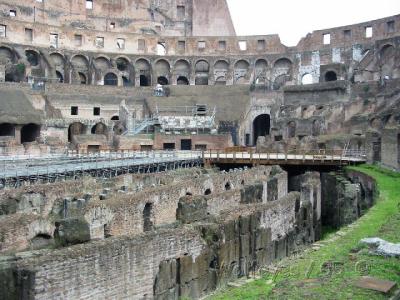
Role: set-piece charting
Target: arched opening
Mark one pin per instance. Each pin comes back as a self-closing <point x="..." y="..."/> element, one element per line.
<point x="228" y="186"/>
<point x="82" y="78"/>
<point x="143" y="68"/>
<point x="59" y="77"/>
<point x="162" y="80"/>
<point x="40" y="241"/>
<point x="306" y="79"/>
<point x="330" y="76"/>
<point x="102" y="63"/>
<point x="99" y="128"/>
<point x="148" y="217"/>
<point x="32" y="57"/>
<point x="7" y="129"/>
<point x="110" y="79"/>
<point x="29" y="133"/>
<point x="261" y="127"/>
<point x="207" y="192"/>
<point x="241" y="70"/>
<point x="280" y="81"/>
<point x="291" y="129"/>
<point x="182" y="80"/>
<point x="202" y="69"/>
<point x="182" y="70"/>
<point x="122" y="64"/>
<point x="75" y="129"/>
<point x="221" y="69"/>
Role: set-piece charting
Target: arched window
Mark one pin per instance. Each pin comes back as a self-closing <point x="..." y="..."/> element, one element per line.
<point x="110" y="79"/>
<point x="261" y="127"/>
<point x="307" y="79"/>
<point x="330" y="76"/>
<point x="29" y="133"/>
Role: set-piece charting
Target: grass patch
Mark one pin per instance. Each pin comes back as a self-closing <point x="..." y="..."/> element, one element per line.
<point x="330" y="272"/>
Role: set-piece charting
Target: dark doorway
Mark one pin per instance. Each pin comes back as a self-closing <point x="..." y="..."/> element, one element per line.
<point x="29" y="133"/>
<point x="330" y="76"/>
<point x="82" y="78"/>
<point x="75" y="129"/>
<point x="162" y="80"/>
<point x="261" y="126"/>
<point x="147" y="217"/>
<point x="144" y="81"/>
<point x="182" y="80"/>
<point x="59" y="77"/>
<point x="169" y="146"/>
<point x="7" y="129"/>
<point x="291" y="129"/>
<point x="99" y="128"/>
<point x="376" y="150"/>
<point x="111" y="79"/>
<point x="93" y="148"/>
<point x="186" y="144"/>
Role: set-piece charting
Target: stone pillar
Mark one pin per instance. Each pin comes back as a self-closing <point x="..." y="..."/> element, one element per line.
<point x="18" y="133"/>
<point x="2" y="73"/>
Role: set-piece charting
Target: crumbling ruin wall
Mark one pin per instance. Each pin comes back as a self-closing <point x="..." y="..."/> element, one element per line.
<point x="185" y="261"/>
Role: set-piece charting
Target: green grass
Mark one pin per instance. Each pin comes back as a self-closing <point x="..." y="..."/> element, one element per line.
<point x="330" y="272"/>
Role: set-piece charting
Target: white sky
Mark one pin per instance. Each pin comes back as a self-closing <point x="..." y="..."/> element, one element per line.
<point x="293" y="19"/>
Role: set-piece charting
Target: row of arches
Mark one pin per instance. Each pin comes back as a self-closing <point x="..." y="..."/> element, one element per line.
<point x="28" y="133"/>
<point x="78" y="128"/>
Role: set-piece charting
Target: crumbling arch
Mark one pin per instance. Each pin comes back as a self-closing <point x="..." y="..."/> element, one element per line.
<point x="80" y="62"/>
<point x="221" y="69"/>
<point x="32" y="57"/>
<point x="261" y="67"/>
<point x="280" y="81"/>
<point x="261" y="126"/>
<point x="99" y="128"/>
<point x="111" y="79"/>
<point x="148" y="217"/>
<point x="330" y="76"/>
<point x="202" y="69"/>
<point x="74" y="129"/>
<point x="182" y="68"/>
<point x="284" y="65"/>
<point x="388" y="62"/>
<point x="7" y="129"/>
<point x="386" y="52"/>
<point x="29" y="133"/>
<point x="282" y="72"/>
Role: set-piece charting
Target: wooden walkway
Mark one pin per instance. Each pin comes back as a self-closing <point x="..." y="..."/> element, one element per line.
<point x="248" y="158"/>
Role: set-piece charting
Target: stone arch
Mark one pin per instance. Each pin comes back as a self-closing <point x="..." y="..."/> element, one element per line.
<point x="291" y="129"/>
<point x="282" y="72"/>
<point x="80" y="62"/>
<point x="76" y="128"/>
<point x="143" y="68"/>
<point x="111" y="79"/>
<point x="58" y="59"/>
<point x="7" y="129"/>
<point x="162" y="80"/>
<point x="148" y="217"/>
<point x="7" y="55"/>
<point x="261" y="126"/>
<point x="202" y="69"/>
<point x="386" y="51"/>
<point x="306" y="79"/>
<point x="387" y="59"/>
<point x="123" y="64"/>
<point x="221" y="69"/>
<point x="241" y="69"/>
<point x="29" y="133"/>
<point x="330" y="76"/>
<point x="182" y="67"/>
<point x="102" y="63"/>
<point x="260" y="71"/>
<point x="33" y="57"/>
<point x="162" y="69"/>
<point x="99" y="128"/>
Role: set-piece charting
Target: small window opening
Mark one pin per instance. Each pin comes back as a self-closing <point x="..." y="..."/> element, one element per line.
<point x="74" y="110"/>
<point x="89" y="4"/>
<point x="13" y="13"/>
<point x="368" y="32"/>
<point x="96" y="111"/>
<point x="222" y="45"/>
<point x="243" y="45"/>
<point x="327" y="38"/>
